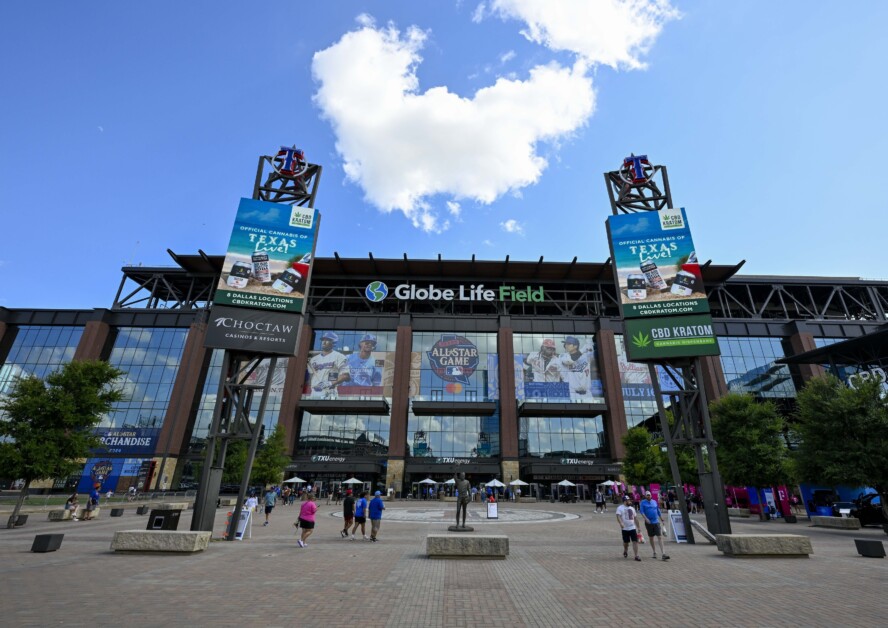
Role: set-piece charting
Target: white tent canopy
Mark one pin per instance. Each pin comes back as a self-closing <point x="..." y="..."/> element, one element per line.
<point x="518" y="483"/>
<point x="495" y="483"/>
<point x="608" y="483"/>
<point x="353" y="481"/>
<point x="566" y="483"/>
<point x="450" y="481"/>
<point x="428" y="481"/>
<point x="295" y="480"/>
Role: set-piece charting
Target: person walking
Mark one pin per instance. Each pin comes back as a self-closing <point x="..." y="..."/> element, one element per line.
<point x="653" y="518"/>
<point x="307" y="519"/>
<point x="92" y="503"/>
<point x="348" y="513"/>
<point x="270" y="501"/>
<point x="627" y="517"/>
<point x="376" y="507"/>
<point x="599" y="501"/>
<point x="360" y="516"/>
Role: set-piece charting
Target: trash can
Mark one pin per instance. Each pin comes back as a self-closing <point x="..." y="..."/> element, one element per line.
<point x="824" y="511"/>
<point x="163" y="519"/>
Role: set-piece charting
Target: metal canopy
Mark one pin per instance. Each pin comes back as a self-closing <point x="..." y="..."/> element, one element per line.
<point x="869" y="349"/>
<point x="345" y="406"/>
<point x="454" y="408"/>
<point x="561" y="409"/>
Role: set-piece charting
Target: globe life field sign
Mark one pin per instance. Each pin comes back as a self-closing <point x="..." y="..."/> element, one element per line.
<point x="664" y="304"/>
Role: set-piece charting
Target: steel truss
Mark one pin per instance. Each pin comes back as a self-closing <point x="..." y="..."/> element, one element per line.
<point x="276" y="188"/>
<point x="231" y="422"/>
<point x="163" y="289"/>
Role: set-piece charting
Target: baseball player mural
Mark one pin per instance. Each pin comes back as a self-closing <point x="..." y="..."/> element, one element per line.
<point x="575" y="368"/>
<point x="327" y="369"/>
<point x="547" y="375"/>
<point x="543" y="365"/>
<point x="363" y="367"/>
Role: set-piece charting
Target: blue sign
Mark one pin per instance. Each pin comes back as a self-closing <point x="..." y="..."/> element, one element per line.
<point x="127" y="440"/>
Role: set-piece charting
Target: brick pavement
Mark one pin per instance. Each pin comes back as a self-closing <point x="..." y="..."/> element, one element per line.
<point x="562" y="573"/>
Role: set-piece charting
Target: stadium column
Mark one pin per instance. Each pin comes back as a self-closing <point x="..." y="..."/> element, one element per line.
<point x="93" y="341"/>
<point x="394" y="475"/>
<point x="172" y="438"/>
<point x="615" y="419"/>
<point x="713" y="378"/>
<point x="293" y="387"/>
<point x="508" y="404"/>
<point x="802" y="341"/>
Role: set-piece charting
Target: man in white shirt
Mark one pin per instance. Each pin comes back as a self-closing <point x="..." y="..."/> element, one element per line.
<point x="626" y="517"/>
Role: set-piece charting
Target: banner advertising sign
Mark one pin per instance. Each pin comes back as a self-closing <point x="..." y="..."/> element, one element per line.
<point x="127" y="440"/>
<point x="678" y="527"/>
<point x="269" y="256"/>
<point x="568" y="376"/>
<point x="352" y="364"/>
<point x="255" y="331"/>
<point x="670" y="337"/>
<point x="655" y="264"/>
<point x="108" y="472"/>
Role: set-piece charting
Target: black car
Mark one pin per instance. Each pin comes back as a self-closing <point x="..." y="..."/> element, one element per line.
<point x="870" y="514"/>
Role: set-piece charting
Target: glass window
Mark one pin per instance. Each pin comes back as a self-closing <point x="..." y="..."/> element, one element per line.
<point x="557" y="369"/>
<point x="357" y="435"/>
<point x="38" y="350"/>
<point x="453" y="436"/>
<point x="753" y="368"/>
<point x="574" y="437"/>
<point x="350" y="365"/>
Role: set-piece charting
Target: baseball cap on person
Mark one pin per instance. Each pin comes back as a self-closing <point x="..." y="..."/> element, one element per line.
<point x="329" y="335"/>
<point x="571" y="340"/>
<point x="368" y="338"/>
<point x="548" y="342"/>
<point x="378" y="493"/>
<point x="626" y="498"/>
<point x="648" y="493"/>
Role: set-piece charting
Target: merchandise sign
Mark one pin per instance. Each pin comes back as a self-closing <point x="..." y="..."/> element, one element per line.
<point x="127" y="440"/>
<point x="670" y="337"/>
<point x="655" y="264"/>
<point x="269" y="256"/>
<point x="254" y="331"/>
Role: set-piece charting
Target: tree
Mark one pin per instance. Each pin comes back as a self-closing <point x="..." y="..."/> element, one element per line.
<point x="843" y="433"/>
<point x="642" y="464"/>
<point x="684" y="456"/>
<point x="235" y="461"/>
<point x="272" y="459"/>
<point x="48" y="425"/>
<point x="749" y="433"/>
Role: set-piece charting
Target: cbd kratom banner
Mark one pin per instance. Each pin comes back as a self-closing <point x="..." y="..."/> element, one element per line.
<point x="655" y="264"/>
<point x="670" y="337"/>
<point x="269" y="256"/>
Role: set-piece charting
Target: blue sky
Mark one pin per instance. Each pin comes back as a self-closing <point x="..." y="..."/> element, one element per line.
<point x="442" y="127"/>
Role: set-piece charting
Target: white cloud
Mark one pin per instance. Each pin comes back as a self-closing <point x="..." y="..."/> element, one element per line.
<point x="487" y="242"/>
<point x="454" y="208"/>
<point x="609" y="32"/>
<point x="403" y="146"/>
<point x="512" y="226"/>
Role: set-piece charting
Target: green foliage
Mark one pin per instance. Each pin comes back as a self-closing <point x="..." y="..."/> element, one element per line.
<point x="751" y="449"/>
<point x="642" y="464"/>
<point x="235" y="461"/>
<point x="272" y="459"/>
<point x="684" y="455"/>
<point x="50" y="423"/>
<point x="843" y="434"/>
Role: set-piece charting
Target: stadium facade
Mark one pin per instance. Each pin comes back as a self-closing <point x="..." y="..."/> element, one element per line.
<point x="408" y="369"/>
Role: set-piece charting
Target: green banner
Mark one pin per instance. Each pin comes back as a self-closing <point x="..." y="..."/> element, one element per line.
<point x="672" y="337"/>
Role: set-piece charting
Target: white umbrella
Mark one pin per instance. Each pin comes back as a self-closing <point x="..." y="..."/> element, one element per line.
<point x="295" y="479"/>
<point x="353" y="481"/>
<point x="495" y="483"/>
<point x="608" y="483"/>
<point x="428" y="481"/>
<point x="518" y="483"/>
<point x="450" y="481"/>
<point x="566" y="483"/>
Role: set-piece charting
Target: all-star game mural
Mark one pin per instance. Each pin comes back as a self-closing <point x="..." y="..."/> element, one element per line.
<point x="655" y="263"/>
<point x="343" y="364"/>
<point x="453" y="367"/>
<point x="269" y="256"/>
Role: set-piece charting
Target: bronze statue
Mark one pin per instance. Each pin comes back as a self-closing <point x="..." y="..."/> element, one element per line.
<point x="464" y="496"/>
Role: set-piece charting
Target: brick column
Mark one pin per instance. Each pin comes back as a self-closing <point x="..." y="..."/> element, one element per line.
<point x="293" y="388"/>
<point x="400" y="403"/>
<point x="800" y="342"/>
<point x="92" y="342"/>
<point x="609" y="366"/>
<point x="508" y="403"/>
<point x="712" y="378"/>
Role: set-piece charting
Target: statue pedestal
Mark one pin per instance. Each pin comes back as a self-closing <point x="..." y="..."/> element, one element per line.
<point x="460" y="529"/>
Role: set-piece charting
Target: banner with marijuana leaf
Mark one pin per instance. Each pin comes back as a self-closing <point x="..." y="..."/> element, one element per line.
<point x="670" y="337"/>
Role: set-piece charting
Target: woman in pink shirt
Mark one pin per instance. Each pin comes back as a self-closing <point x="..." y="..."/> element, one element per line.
<point x="307" y="519"/>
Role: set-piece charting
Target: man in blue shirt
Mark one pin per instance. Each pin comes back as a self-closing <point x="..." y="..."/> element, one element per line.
<point x="376" y="508"/>
<point x="360" y="516"/>
<point x="650" y="510"/>
<point x="270" y="500"/>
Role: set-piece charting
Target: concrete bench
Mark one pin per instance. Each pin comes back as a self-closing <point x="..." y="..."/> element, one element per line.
<point x="840" y="523"/>
<point x="160" y="541"/>
<point x="739" y="512"/>
<point x="173" y="506"/>
<point x="469" y="546"/>
<point x="65" y="515"/>
<point x="227" y="501"/>
<point x="764" y="545"/>
<point x="527" y="500"/>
